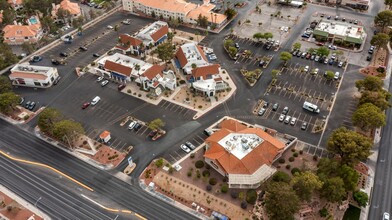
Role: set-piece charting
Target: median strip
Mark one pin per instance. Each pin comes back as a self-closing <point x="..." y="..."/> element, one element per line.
<point x="114" y="210"/>
<point x="46" y="166"/>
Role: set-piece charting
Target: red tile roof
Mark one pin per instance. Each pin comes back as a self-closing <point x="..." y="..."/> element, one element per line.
<point x="202" y="53"/>
<point x="203" y="71"/>
<point x="153" y="71"/>
<point x="125" y="38"/>
<point x="160" y="33"/>
<point x="118" y="68"/>
<point x="181" y="57"/>
<point x="265" y="153"/>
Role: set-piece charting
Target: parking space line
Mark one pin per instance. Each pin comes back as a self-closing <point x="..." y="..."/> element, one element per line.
<point x="144" y="131"/>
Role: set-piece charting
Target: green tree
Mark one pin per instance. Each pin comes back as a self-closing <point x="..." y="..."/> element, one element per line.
<point x="378" y="98"/>
<point x="281" y="202"/>
<point x="380" y="40"/>
<point x="257" y="36"/>
<point x="327" y="168"/>
<point x="361" y="197"/>
<point x="349" y="145"/>
<point x="388" y="3"/>
<point x="170" y="36"/>
<point x="27" y="47"/>
<point x="370" y="83"/>
<point x="67" y="130"/>
<point x="5" y="84"/>
<point x="230" y="13"/>
<point x="48" y="118"/>
<point x="285" y="56"/>
<point x="63" y="14"/>
<point x="280" y="176"/>
<point x="228" y="43"/>
<point x="165" y="51"/>
<point x="333" y="190"/>
<point x="268" y="35"/>
<point x="156" y="124"/>
<point x="233" y="51"/>
<point x="202" y="21"/>
<point x="349" y="176"/>
<point x="297" y="46"/>
<point x="9" y="16"/>
<point x="8" y="102"/>
<point x="368" y="116"/>
<point x="48" y="24"/>
<point x="274" y="73"/>
<point x="383" y="19"/>
<point x="322" y="51"/>
<point x="305" y="183"/>
<point x="7" y="57"/>
<point x="174" y="23"/>
<point x="329" y="75"/>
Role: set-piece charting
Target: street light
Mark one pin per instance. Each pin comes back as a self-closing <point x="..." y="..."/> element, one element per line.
<point x="35" y="204"/>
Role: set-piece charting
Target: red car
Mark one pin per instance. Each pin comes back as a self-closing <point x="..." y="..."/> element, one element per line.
<point x="85" y="105"/>
<point x="121" y="87"/>
<point x="153" y="133"/>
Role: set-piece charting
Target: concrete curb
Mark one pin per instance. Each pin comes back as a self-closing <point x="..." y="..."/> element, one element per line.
<point x="24" y="203"/>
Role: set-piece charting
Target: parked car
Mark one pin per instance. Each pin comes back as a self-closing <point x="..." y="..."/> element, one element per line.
<point x="336" y="76"/>
<point x="132" y="125"/>
<point x="152" y="133"/>
<point x="185" y="148"/>
<point x="137" y="127"/>
<point x="83" y="48"/>
<point x="275" y="107"/>
<point x="31" y="106"/>
<point x="308" y="55"/>
<point x="99" y="79"/>
<point x="304" y="126"/>
<point x="317" y="58"/>
<point x="287" y="119"/>
<point x="120" y="87"/>
<point x="35" y="59"/>
<point x="369" y="57"/>
<point x="237" y="45"/>
<point x="109" y="27"/>
<point x="56" y="80"/>
<point x="326" y="60"/>
<point x="104" y="83"/>
<point x="126" y="21"/>
<point x="27" y="104"/>
<point x="190" y="145"/>
<point x="332" y="47"/>
<point x="315" y="71"/>
<point x="285" y="110"/>
<point x="212" y="57"/>
<point x="329" y="17"/>
<point x="96" y="55"/>
<point x="330" y="61"/>
<point x="281" y="117"/>
<point x="85" y="105"/>
<point x="385" y="216"/>
<point x="293" y="121"/>
<point x="261" y="112"/>
<point x="63" y="54"/>
<point x="340" y="64"/>
<point x="306" y="69"/>
<point x="303" y="55"/>
<point x="266" y="104"/>
<point x="21" y="100"/>
<point x="371" y="49"/>
<point x="261" y="64"/>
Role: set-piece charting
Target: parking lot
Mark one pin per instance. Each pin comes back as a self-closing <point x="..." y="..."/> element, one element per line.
<point x="181" y="111"/>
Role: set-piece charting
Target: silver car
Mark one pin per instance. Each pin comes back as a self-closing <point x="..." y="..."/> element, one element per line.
<point x="104" y="83"/>
<point x="185" y="148"/>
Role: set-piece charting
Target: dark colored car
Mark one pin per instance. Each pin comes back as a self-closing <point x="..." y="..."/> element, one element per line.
<point x="27" y="104"/>
<point x="85" y="105"/>
<point x="285" y="110"/>
<point x="190" y="145"/>
<point x="261" y="64"/>
<point x="83" y="48"/>
<point x="96" y="55"/>
<point x="275" y="107"/>
<point x="63" y="54"/>
<point x="137" y="127"/>
<point x="369" y="58"/>
<point x="152" y="133"/>
<point x="56" y="80"/>
<point x="266" y="104"/>
<point x="121" y="87"/>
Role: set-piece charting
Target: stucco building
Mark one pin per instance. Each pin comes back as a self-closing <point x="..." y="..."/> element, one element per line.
<point x="33" y="76"/>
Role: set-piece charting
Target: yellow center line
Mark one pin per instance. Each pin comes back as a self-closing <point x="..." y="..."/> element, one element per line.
<point x="48" y="167"/>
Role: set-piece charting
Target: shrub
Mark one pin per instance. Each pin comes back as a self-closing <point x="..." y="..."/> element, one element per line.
<point x="295" y="170"/>
<point x="198" y="175"/>
<point x="291" y="159"/>
<point x="213" y="181"/>
<point x="129" y="91"/>
<point x="209" y="188"/>
<point x="234" y="194"/>
<point x="301" y="152"/>
<point x="293" y="150"/>
<point x="281" y="177"/>
<point x="282" y="160"/>
<point x="323" y="212"/>
<point x="192" y="155"/>
<point x="181" y="82"/>
<point x="288" y="166"/>
<point x="315" y="157"/>
<point x="224" y="188"/>
<point x="208" y="166"/>
<point x="244" y="205"/>
<point x="251" y="196"/>
<point x="159" y="162"/>
<point x="189" y="174"/>
<point x="225" y="179"/>
<point x="26" y="117"/>
<point x="241" y="195"/>
<point x="139" y="95"/>
<point x="206" y="173"/>
<point x="295" y="154"/>
<point x="199" y="164"/>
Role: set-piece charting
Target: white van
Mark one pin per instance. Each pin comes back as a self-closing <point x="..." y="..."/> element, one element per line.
<point x="311" y="107"/>
<point x="337" y="76"/>
<point x="95" y="100"/>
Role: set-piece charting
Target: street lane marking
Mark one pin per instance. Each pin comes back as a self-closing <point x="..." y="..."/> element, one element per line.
<point x="113" y="210"/>
<point x="46" y="166"/>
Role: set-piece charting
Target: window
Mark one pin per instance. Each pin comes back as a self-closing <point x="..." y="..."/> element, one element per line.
<point x="37" y="83"/>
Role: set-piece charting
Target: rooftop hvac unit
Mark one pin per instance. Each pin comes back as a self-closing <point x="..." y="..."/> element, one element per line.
<point x="244" y="140"/>
<point x="245" y="146"/>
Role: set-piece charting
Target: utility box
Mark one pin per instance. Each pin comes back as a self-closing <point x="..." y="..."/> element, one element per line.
<point x="105" y="137"/>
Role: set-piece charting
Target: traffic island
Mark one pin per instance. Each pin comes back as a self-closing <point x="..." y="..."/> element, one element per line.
<point x="128" y="170"/>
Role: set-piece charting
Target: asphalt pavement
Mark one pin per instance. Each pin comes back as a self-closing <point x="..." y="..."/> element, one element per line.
<point x="62" y="199"/>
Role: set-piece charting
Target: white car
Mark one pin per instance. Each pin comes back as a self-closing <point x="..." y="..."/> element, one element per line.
<point x="213" y="57"/>
<point x="287" y="120"/>
<point x="126" y="21"/>
<point x="104" y="83"/>
<point x="109" y="27"/>
<point x="385" y="216"/>
<point x="99" y="79"/>
<point x="185" y="148"/>
<point x="286" y="29"/>
<point x="306" y="69"/>
<point x="281" y="117"/>
<point x="293" y="121"/>
<point x="315" y="71"/>
<point x="132" y="125"/>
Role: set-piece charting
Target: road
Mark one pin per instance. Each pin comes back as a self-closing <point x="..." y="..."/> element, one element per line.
<point x="61" y="199"/>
